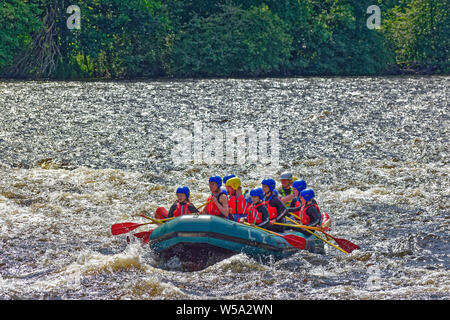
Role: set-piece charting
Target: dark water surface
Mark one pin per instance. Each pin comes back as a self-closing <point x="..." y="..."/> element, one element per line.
<point x="77" y="157"/>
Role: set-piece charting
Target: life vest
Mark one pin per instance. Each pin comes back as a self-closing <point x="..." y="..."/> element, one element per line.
<point x="254" y="216"/>
<point x="282" y="191"/>
<point x="213" y="209"/>
<point x="326" y="221"/>
<point x="272" y="210"/>
<point x="305" y="219"/>
<point x="181" y="209"/>
<point x="238" y="205"/>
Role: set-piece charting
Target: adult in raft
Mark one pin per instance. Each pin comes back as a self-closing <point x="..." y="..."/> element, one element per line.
<point x="277" y="209"/>
<point x="218" y="201"/>
<point x="179" y="207"/>
<point x="258" y="214"/>
<point x="237" y="203"/>
<point x="286" y="192"/>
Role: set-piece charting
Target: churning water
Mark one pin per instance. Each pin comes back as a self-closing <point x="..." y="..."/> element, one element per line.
<point x="77" y="157"/>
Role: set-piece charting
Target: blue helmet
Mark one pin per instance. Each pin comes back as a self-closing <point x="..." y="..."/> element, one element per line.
<point x="257" y="192"/>
<point x="307" y="194"/>
<point x="217" y="180"/>
<point x="228" y="177"/>
<point x="184" y="190"/>
<point x="300" y="185"/>
<point x="270" y="183"/>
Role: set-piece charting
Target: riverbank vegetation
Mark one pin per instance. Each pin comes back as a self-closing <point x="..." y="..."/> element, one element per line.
<point x="116" y="39"/>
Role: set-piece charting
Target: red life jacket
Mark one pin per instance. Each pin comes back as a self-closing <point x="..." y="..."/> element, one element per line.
<point x="213" y="209"/>
<point x="254" y="216"/>
<point x="237" y="205"/>
<point x="272" y="210"/>
<point x="181" y="209"/>
<point x="304" y="218"/>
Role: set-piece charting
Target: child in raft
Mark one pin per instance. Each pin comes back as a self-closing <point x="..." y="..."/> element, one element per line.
<point x="258" y="214"/>
<point x="179" y="207"/>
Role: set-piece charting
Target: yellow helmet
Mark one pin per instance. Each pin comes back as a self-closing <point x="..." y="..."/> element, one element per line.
<point x="234" y="182"/>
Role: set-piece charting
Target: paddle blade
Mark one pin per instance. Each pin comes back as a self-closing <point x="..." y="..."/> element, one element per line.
<point x="120" y="228"/>
<point x="296" y="241"/>
<point x="344" y="244"/>
<point x="144" y="236"/>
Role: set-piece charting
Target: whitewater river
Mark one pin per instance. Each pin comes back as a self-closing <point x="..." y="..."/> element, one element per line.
<point x="77" y="157"/>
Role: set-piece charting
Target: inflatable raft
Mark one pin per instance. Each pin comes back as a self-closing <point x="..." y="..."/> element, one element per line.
<point x="192" y="235"/>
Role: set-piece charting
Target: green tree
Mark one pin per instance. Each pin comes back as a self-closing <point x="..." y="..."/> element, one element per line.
<point x="121" y="39"/>
<point x="18" y="21"/>
<point x="233" y="42"/>
<point x="419" y="31"/>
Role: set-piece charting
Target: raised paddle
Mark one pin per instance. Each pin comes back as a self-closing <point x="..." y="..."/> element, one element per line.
<point x="343" y="243"/>
<point x="125" y="227"/>
<point x="293" y="240"/>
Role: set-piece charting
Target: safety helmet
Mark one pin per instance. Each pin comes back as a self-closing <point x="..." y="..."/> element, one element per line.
<point x="270" y="183"/>
<point x="307" y="194"/>
<point x="257" y="192"/>
<point x="184" y="190"/>
<point x="234" y="183"/>
<point x="217" y="180"/>
<point x="224" y="191"/>
<point x="300" y="185"/>
<point x="225" y="179"/>
<point x="286" y="175"/>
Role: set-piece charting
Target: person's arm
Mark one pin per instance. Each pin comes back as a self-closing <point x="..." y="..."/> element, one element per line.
<point x="192" y="208"/>
<point x="293" y="208"/>
<point x="314" y="216"/>
<point x="281" y="208"/>
<point x="265" y="216"/>
<point x="287" y="198"/>
<point x="222" y="204"/>
<point x="172" y="210"/>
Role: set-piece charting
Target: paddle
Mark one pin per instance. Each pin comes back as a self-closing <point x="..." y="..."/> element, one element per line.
<point x="343" y="243"/>
<point x="145" y="236"/>
<point x="125" y="227"/>
<point x="297" y="225"/>
<point x="293" y="240"/>
<point x="158" y="221"/>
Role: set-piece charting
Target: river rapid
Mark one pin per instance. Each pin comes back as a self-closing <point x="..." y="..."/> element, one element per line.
<point x="77" y="157"/>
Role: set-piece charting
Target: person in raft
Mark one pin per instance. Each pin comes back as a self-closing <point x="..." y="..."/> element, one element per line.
<point x="286" y="193"/>
<point x="258" y="214"/>
<point x="309" y="210"/>
<point x="277" y="209"/>
<point x="179" y="207"/>
<point x="218" y="201"/>
<point x="236" y="202"/>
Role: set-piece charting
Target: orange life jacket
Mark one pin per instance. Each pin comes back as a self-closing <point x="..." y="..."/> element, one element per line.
<point x="212" y="208"/>
<point x="305" y="219"/>
<point x="272" y="210"/>
<point x="181" y="209"/>
<point x="238" y="205"/>
<point x="254" y="216"/>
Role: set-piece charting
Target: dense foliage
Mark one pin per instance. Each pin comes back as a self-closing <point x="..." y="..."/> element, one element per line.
<point x="202" y="38"/>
